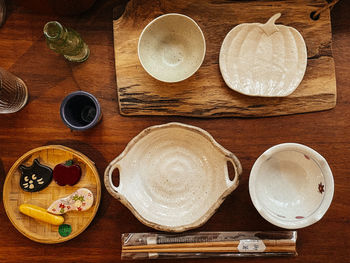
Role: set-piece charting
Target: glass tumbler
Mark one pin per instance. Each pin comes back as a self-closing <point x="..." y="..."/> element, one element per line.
<point x="2" y="12"/>
<point x="13" y="92"/>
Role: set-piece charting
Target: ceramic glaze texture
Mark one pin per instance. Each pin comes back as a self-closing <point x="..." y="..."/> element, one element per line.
<point x="291" y="186"/>
<point x="265" y="60"/>
<point x="173" y="177"/>
<point x="171" y="48"/>
<point x="298" y="176"/>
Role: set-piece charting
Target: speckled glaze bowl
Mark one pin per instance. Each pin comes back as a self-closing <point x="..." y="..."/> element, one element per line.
<point x="173" y="177"/>
<point x="171" y="48"/>
<point x="291" y="185"/>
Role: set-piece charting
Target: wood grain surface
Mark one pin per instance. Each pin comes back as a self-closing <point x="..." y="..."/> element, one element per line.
<point x="50" y="78"/>
<point x="205" y="94"/>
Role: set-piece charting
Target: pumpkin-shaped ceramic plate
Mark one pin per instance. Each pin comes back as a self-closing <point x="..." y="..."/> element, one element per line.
<point x="173" y="177"/>
<point x="264" y="60"/>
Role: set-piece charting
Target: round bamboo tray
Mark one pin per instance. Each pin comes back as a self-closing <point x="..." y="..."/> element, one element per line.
<point x="14" y="196"/>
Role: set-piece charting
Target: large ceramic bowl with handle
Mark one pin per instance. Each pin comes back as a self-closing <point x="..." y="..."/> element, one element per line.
<point x="291" y="185"/>
<point x="173" y="177"/>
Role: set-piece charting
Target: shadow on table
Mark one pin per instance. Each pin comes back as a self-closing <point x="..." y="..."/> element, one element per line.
<point x="91" y="152"/>
<point x="2" y="176"/>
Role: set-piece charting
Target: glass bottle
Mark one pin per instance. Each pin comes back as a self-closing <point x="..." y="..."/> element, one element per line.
<point x="66" y="41"/>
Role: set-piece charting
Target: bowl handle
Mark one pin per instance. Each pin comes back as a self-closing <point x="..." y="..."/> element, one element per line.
<point x="232" y="184"/>
<point x="111" y="188"/>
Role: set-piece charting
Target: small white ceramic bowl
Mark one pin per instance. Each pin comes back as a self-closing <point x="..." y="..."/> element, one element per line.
<point x="171" y="48"/>
<point x="291" y="185"/>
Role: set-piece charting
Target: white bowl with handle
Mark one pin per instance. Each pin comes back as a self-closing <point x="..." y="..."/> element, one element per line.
<point x="173" y="177"/>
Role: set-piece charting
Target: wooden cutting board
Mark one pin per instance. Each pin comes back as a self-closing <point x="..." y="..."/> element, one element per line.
<point x="205" y="94"/>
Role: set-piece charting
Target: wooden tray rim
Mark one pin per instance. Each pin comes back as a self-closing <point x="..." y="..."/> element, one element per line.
<point x="87" y="161"/>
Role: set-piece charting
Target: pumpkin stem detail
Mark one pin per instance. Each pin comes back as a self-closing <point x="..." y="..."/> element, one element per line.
<point x="269" y="27"/>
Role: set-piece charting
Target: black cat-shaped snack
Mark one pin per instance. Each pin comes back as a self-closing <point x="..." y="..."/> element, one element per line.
<point x="35" y="177"/>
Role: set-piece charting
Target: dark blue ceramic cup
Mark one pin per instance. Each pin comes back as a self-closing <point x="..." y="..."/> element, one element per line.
<point x="80" y="111"/>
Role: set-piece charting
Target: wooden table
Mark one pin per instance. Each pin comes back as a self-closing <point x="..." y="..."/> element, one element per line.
<point x="50" y="78"/>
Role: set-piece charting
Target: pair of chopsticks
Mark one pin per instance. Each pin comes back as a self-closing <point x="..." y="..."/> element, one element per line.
<point x="286" y="246"/>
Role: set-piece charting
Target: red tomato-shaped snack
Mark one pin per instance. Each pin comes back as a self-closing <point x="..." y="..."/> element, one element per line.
<point x="67" y="173"/>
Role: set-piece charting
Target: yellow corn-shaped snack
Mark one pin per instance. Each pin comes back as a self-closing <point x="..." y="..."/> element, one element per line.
<point x="40" y="214"/>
